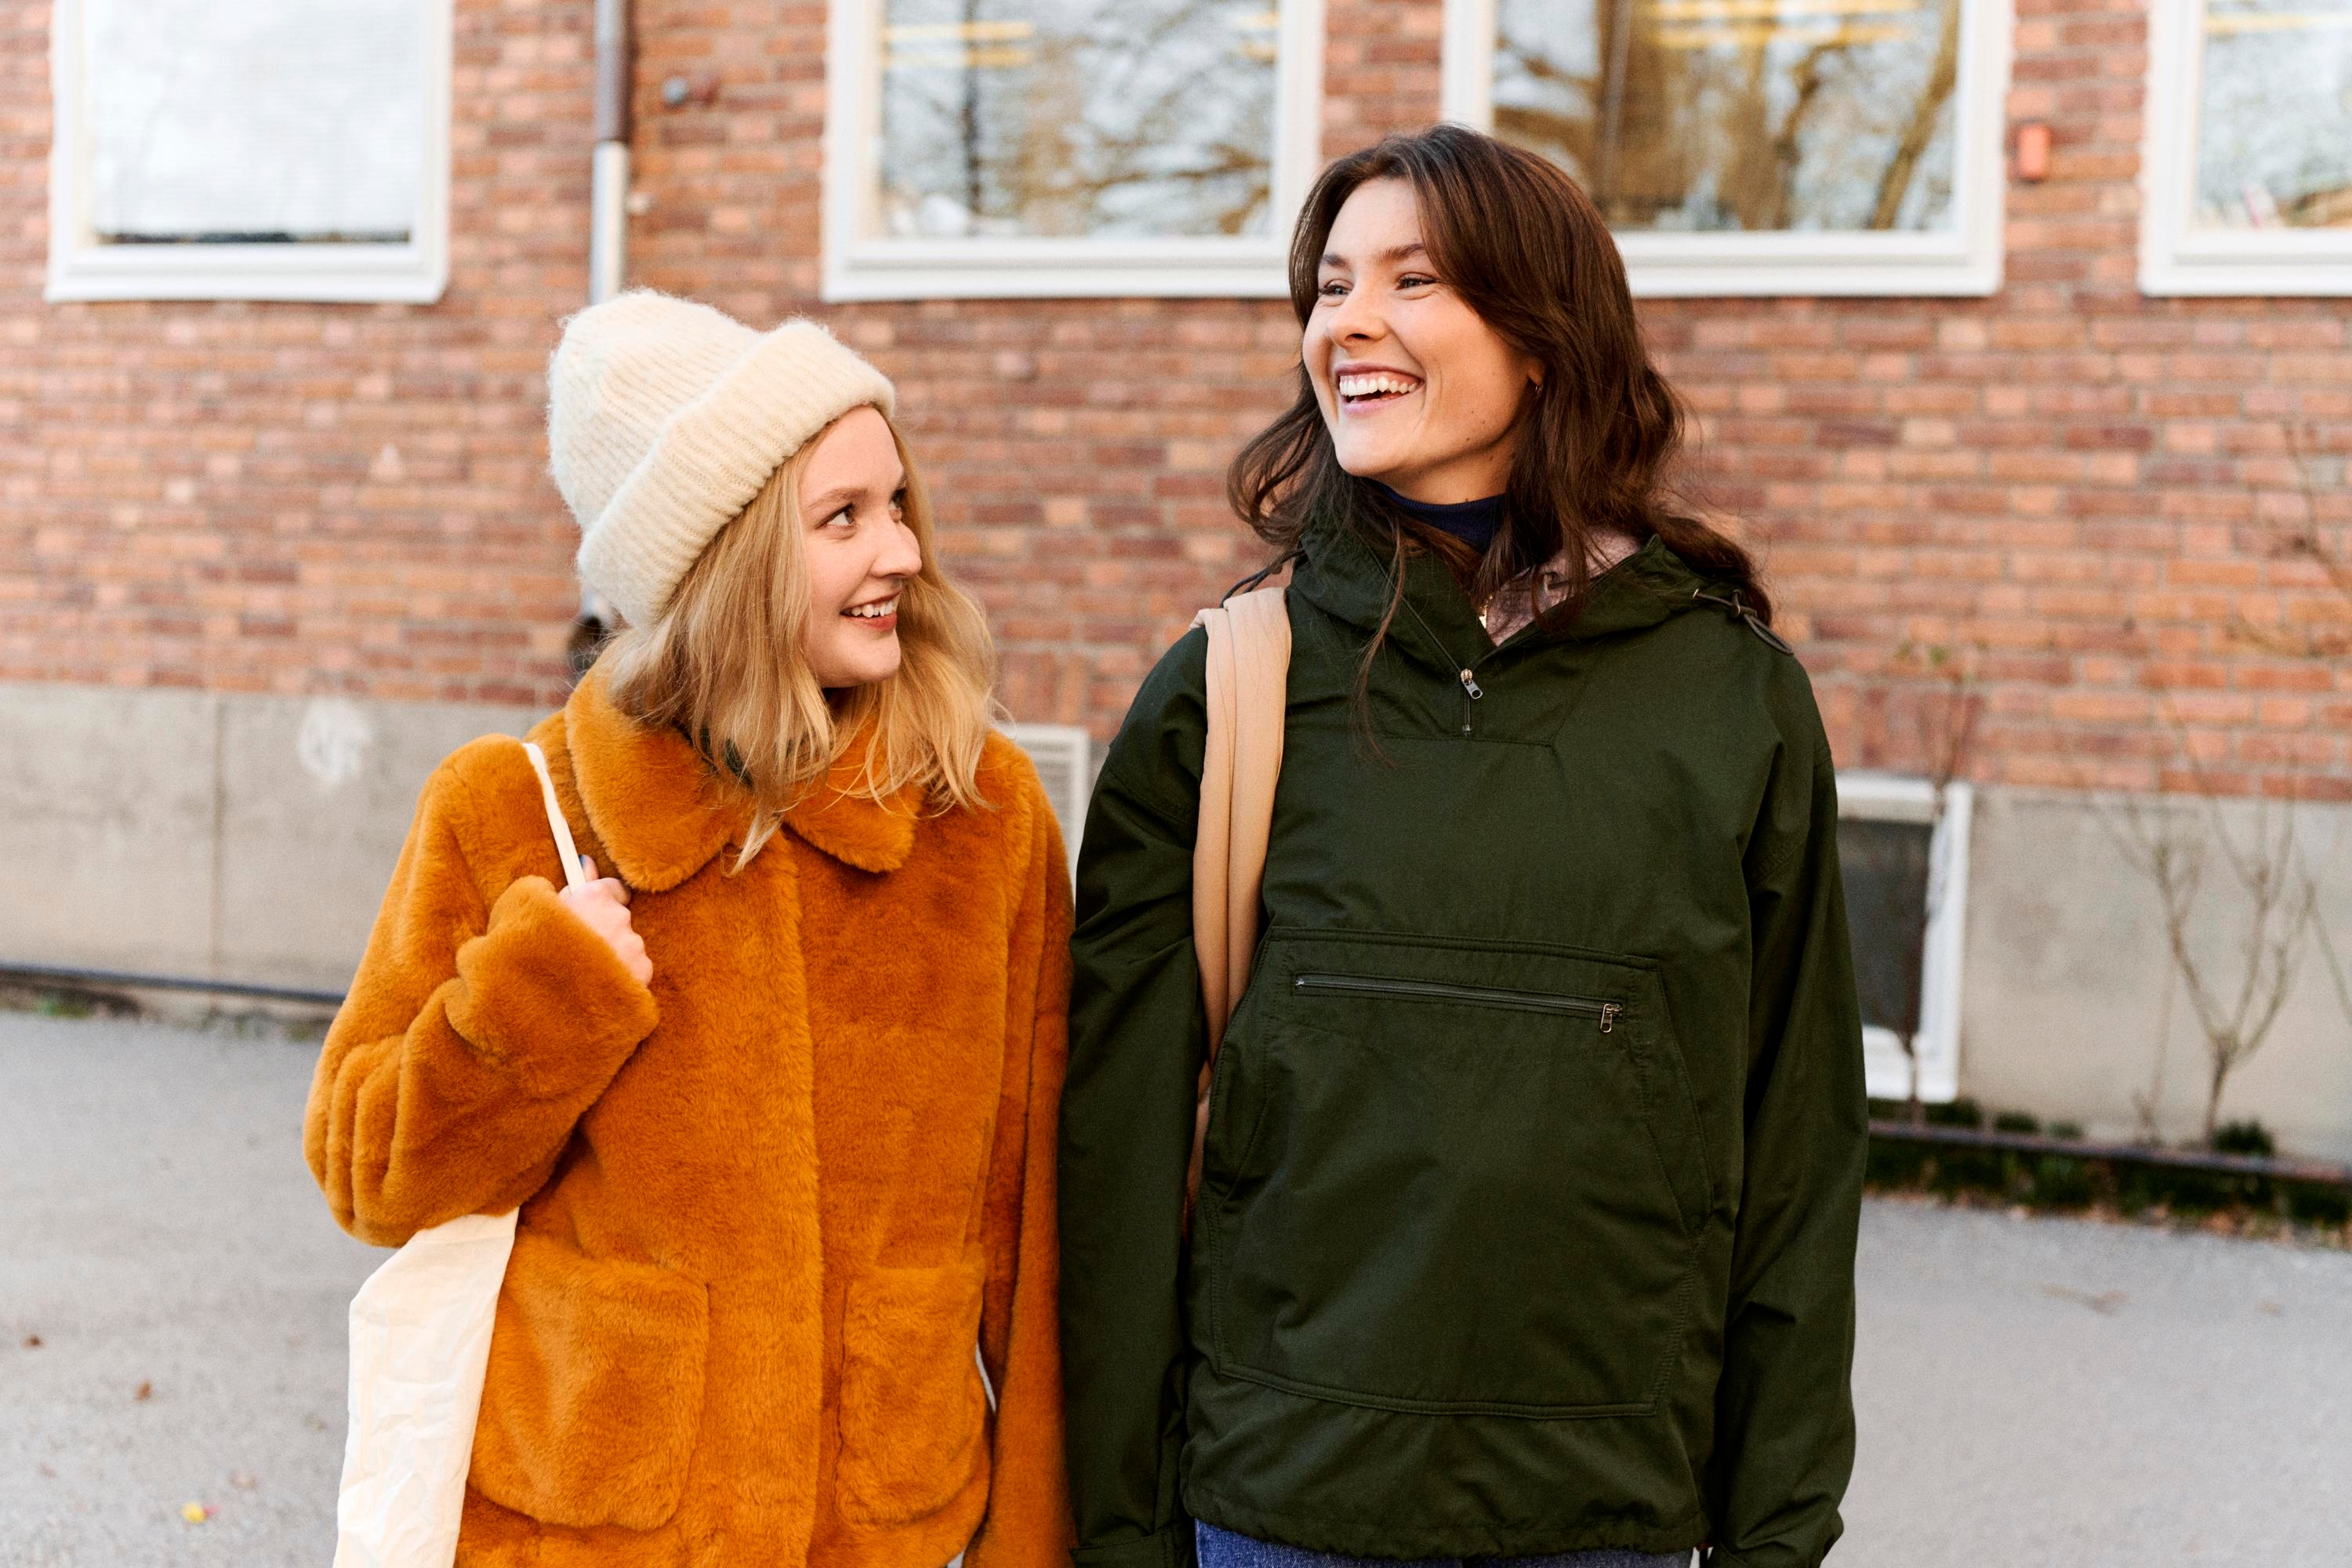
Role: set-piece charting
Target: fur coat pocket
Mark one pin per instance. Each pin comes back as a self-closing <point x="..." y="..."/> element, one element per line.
<point x="595" y="1392"/>
<point x="913" y="1411"/>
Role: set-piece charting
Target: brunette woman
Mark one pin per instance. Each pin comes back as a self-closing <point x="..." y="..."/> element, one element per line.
<point x="776" y="1093"/>
<point x="1534" y="1153"/>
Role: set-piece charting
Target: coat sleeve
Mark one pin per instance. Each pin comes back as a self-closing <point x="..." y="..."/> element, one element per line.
<point x="1784" y="1409"/>
<point x="1139" y="1035"/>
<point x="1028" y="1521"/>
<point x="482" y="1022"/>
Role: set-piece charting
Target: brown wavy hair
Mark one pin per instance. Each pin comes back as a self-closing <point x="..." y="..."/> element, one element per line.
<point x="1516" y="239"/>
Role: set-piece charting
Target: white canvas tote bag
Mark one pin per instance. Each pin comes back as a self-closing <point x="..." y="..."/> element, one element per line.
<point x="420" y="1346"/>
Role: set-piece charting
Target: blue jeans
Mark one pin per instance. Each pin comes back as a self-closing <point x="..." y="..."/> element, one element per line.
<point x="1223" y="1549"/>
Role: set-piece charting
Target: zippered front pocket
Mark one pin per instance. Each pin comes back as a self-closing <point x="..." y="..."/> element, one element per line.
<point x="1472" y="995"/>
<point x="1447" y="1176"/>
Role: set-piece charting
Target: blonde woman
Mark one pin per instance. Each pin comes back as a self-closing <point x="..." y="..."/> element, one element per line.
<point x="775" y="1091"/>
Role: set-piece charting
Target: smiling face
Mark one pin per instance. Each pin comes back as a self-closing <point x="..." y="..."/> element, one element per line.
<point x="860" y="550"/>
<point x="1416" y="390"/>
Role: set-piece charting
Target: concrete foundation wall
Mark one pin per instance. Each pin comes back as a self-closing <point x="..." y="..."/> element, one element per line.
<point x="249" y="838"/>
<point x="209" y="835"/>
<point x="2072" y="1005"/>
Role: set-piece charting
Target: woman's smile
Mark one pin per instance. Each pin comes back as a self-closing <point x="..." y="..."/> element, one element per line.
<point x="881" y="615"/>
<point x="1364" y="388"/>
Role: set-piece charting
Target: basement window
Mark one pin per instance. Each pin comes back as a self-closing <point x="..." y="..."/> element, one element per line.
<point x="268" y="150"/>
<point x="1033" y="148"/>
<point x="1748" y="147"/>
<point x="1905" y="865"/>
<point x="2248" y="161"/>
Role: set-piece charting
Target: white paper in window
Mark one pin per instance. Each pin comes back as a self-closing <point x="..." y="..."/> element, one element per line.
<point x="273" y="119"/>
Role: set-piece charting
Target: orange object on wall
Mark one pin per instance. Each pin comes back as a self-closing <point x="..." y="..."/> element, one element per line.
<point x="2033" y="151"/>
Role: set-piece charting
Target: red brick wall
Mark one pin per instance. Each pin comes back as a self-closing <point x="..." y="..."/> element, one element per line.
<point x="2083" y="497"/>
<point x="304" y="498"/>
<point x="2078" y="495"/>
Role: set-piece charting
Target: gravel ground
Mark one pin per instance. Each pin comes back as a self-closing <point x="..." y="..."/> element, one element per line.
<point x="158" y="1232"/>
<point x="2063" y="1392"/>
<point x="2030" y="1392"/>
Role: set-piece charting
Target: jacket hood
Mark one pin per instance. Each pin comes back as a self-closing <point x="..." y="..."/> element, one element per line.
<point x="1345" y="577"/>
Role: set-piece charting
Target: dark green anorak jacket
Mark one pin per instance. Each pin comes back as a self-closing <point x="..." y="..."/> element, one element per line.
<point x="1534" y="1149"/>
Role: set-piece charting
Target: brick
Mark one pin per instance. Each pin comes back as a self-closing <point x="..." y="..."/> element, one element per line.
<point x="2085" y="484"/>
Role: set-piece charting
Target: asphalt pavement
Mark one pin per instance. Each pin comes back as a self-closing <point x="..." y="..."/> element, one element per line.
<point x="2032" y="1392"/>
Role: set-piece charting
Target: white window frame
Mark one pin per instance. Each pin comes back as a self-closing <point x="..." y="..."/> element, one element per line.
<point x="1887" y="797"/>
<point x="856" y="267"/>
<point x="2174" y="260"/>
<point x="1965" y="261"/>
<point x="81" y="268"/>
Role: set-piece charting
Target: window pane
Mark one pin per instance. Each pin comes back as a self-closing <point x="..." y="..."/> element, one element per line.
<point x="2274" y="134"/>
<point x="1739" y="114"/>
<point x="1139" y="119"/>
<point x="267" y="120"/>
<point x="1884" y="869"/>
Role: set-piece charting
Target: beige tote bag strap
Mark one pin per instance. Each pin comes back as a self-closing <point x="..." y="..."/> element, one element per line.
<point x="573" y="875"/>
<point x="1248" y="695"/>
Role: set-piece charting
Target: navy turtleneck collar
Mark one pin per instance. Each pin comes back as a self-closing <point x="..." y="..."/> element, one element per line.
<point x="1473" y="523"/>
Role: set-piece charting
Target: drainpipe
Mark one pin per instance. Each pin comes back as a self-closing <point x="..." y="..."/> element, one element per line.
<point x="608" y="223"/>
<point x="608" y="239"/>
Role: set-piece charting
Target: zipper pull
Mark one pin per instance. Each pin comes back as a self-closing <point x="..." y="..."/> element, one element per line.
<point x="1609" y="1011"/>
<point x="1470" y="685"/>
<point x="1470" y="706"/>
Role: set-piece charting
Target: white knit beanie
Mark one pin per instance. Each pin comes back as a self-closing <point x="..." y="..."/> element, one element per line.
<point x="666" y="417"/>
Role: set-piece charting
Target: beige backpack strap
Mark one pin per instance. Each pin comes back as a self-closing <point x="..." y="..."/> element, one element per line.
<point x="1248" y="695"/>
<point x="573" y="876"/>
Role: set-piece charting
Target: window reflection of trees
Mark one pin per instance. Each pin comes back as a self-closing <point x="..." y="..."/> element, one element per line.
<point x="1740" y="114"/>
<point x="1064" y="118"/>
<point x="2275" y="131"/>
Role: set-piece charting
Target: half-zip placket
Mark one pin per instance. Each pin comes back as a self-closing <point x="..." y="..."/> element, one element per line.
<point x="1464" y="673"/>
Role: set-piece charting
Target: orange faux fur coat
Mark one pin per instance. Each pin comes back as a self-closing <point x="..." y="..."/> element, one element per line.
<point x="769" y="1204"/>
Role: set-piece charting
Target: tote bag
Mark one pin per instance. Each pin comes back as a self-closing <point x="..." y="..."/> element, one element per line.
<point x="420" y="1345"/>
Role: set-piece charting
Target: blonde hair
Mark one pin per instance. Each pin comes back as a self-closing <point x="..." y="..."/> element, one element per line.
<point x="724" y="663"/>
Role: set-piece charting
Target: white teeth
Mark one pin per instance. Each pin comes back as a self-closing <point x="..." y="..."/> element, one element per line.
<point x="1368" y="385"/>
<point x="876" y="611"/>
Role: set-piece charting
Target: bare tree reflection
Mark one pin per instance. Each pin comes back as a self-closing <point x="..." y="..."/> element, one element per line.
<point x="1078" y="117"/>
<point x="1740" y="114"/>
<point x="1926" y="116"/>
<point x="2274" y="116"/>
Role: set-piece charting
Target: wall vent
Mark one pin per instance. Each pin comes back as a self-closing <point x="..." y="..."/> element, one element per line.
<point x="1065" y="763"/>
